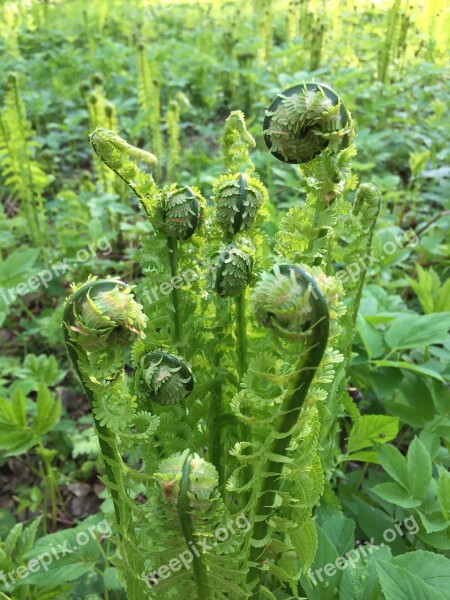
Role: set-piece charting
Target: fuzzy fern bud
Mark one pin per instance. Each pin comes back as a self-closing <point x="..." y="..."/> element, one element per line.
<point x="288" y="301"/>
<point x="104" y="314"/>
<point x="179" y="212"/>
<point x="304" y="120"/>
<point x="203" y="480"/>
<point x="234" y="269"/>
<point x="163" y="378"/>
<point x="238" y="198"/>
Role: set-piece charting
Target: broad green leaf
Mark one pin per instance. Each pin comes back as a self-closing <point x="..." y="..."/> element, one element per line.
<point x="19" y="408"/>
<point x="434" y="523"/>
<point x="80" y="559"/>
<point x="18" y="267"/>
<point x="418" y="331"/>
<point x="396" y="494"/>
<point x="402" y="364"/>
<point x="373" y="430"/>
<point x="369" y="456"/>
<point x="419" y="469"/>
<point x="399" y="583"/>
<point x="426" y="287"/>
<point x="48" y="410"/>
<point x="17" y="442"/>
<point x="432" y="569"/>
<point x="444" y="491"/>
<point x="317" y="584"/>
<point x="111" y="579"/>
<point x="439" y="540"/>
<point x="341" y="533"/>
<point x="394" y="463"/>
<point x="373" y="521"/>
<point x="443" y="300"/>
<point x="371" y="338"/>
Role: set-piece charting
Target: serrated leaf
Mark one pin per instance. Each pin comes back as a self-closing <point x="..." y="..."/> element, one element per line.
<point x="444" y="491"/>
<point x="419" y="468"/>
<point x="372" y="430"/>
<point x="413" y="331"/>
<point x="396" y="494"/>
<point x="304" y="540"/>
<point x="48" y="410"/>
<point x="433" y="569"/>
<point x="394" y="463"/>
<point x="399" y="583"/>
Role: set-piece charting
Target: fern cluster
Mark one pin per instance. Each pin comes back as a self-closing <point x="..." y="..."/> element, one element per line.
<point x="20" y="168"/>
<point x="238" y="361"/>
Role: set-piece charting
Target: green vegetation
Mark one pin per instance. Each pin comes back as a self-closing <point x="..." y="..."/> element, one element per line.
<point x="224" y="300"/>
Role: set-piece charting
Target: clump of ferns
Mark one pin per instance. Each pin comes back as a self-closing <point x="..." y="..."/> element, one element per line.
<point x="22" y="172"/>
<point x="261" y="403"/>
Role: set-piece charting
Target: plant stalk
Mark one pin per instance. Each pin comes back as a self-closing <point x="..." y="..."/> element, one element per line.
<point x="177" y="334"/>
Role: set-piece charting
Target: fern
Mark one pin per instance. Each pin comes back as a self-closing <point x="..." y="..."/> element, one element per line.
<point x="21" y="171"/>
<point x="230" y="405"/>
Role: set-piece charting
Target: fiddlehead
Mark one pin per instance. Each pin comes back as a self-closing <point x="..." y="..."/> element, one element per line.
<point x="310" y="125"/>
<point x="236" y="140"/>
<point x="179" y="212"/>
<point x="234" y="269"/>
<point x="304" y="120"/>
<point x="162" y="378"/>
<point x="238" y="198"/>
<point x="123" y="158"/>
<point x="186" y="512"/>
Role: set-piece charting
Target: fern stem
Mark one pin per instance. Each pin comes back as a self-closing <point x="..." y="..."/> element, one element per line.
<point x="288" y="415"/>
<point x="216" y="456"/>
<point x="106" y="439"/>
<point x="186" y="527"/>
<point x="177" y="334"/>
<point x="242" y="347"/>
<point x="112" y="460"/>
<point x="241" y="334"/>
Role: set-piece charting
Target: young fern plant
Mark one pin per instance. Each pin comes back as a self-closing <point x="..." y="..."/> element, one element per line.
<point x="236" y="372"/>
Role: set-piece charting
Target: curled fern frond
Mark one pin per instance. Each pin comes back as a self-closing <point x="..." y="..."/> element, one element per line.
<point x="179" y="212"/>
<point x="163" y="378"/>
<point x="238" y="198"/>
<point x="304" y="120"/>
<point x="283" y="302"/>
<point x="203" y="480"/>
<point x="102" y="314"/>
<point x="236" y="140"/>
<point x="123" y="158"/>
<point x="140" y="427"/>
<point x="234" y="269"/>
